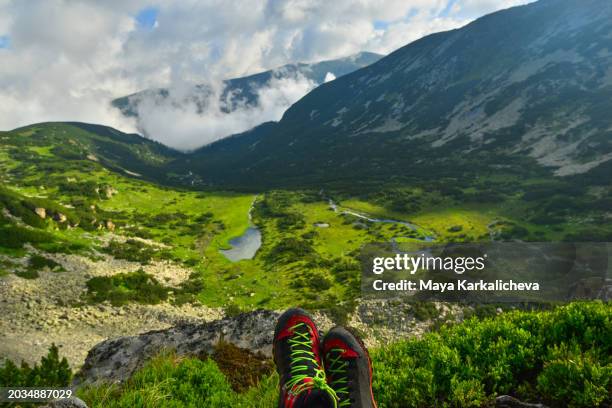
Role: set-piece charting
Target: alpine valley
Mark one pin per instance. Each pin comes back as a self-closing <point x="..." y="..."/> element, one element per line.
<point x="499" y="130"/>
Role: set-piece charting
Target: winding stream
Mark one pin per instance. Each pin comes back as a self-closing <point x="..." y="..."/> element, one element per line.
<point x="335" y="208"/>
<point x="246" y="245"/>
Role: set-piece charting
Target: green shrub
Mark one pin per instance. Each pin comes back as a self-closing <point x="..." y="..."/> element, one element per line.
<point x="131" y="250"/>
<point x="318" y="282"/>
<point x="576" y="378"/>
<point x="467" y="393"/>
<point x="290" y="249"/>
<point x="424" y="311"/>
<point x="122" y="288"/>
<point x="189" y="289"/>
<point x="14" y="236"/>
<point x="290" y="221"/>
<point x="166" y="381"/>
<point x="470" y="363"/>
<point x="19" y="207"/>
<point x="87" y="188"/>
<point x="38" y="262"/>
<point x="561" y="357"/>
<point x="28" y="274"/>
<point x="24" y="207"/>
<point x="233" y="310"/>
<point x="50" y="372"/>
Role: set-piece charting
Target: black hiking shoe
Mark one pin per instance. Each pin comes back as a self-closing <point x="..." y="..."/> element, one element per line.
<point x="348" y="368"/>
<point x="298" y="362"/>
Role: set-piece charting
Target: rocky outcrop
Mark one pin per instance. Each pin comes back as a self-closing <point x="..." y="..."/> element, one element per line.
<point x="116" y="359"/>
<point x="380" y="322"/>
<point x="66" y="403"/>
<point x="109" y="192"/>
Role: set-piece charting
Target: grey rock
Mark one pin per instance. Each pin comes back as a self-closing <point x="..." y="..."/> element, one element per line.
<point x="115" y="360"/>
<point x="66" y="403"/>
<point x="506" y="401"/>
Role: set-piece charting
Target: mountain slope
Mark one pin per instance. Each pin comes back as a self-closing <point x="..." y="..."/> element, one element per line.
<point x="244" y="90"/>
<point x="523" y="91"/>
<point x="129" y="154"/>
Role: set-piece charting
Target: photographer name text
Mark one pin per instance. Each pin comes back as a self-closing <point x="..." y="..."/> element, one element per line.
<point x="461" y="285"/>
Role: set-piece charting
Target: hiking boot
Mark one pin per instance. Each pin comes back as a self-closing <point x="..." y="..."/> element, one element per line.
<point x="298" y="362"/>
<point x="348" y="368"/>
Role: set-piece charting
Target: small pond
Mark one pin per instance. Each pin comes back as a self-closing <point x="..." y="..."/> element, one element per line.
<point x="244" y="246"/>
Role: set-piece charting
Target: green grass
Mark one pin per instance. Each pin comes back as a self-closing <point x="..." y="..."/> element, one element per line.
<point x="47" y="165"/>
<point x="562" y="357"/>
<point x="473" y="223"/>
<point x="167" y="381"/>
<point x="42" y="150"/>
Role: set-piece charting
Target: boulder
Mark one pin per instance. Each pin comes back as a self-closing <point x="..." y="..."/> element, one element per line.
<point x="109" y="192"/>
<point x="66" y="403"/>
<point x="115" y="360"/>
<point x="506" y="401"/>
<point x="41" y="212"/>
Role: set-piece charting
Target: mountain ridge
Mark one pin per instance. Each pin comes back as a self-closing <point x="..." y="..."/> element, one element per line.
<point x="506" y="86"/>
<point x="518" y="93"/>
<point x="244" y="89"/>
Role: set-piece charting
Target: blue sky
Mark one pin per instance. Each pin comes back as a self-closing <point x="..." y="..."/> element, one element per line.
<point x="448" y="8"/>
<point x="147" y="17"/>
<point x="5" y="41"/>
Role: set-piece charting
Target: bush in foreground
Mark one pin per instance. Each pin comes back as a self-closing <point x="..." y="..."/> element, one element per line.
<point x="561" y="357"/>
<point x="167" y="381"/>
<point x="51" y="372"/>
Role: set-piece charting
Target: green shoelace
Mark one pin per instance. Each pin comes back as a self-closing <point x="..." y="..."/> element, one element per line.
<point x="301" y="355"/>
<point x="339" y="379"/>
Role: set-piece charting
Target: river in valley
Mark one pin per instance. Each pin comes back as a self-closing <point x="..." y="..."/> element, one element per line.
<point x="336" y="208"/>
<point x="246" y="245"/>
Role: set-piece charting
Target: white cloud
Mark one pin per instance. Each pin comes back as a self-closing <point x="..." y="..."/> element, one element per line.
<point x="479" y="7"/>
<point x="68" y="58"/>
<point x="173" y="122"/>
<point x="329" y="77"/>
<point x="63" y="62"/>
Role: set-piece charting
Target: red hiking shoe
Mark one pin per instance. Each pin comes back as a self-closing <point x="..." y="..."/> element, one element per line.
<point x="298" y="362"/>
<point x="349" y="369"/>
